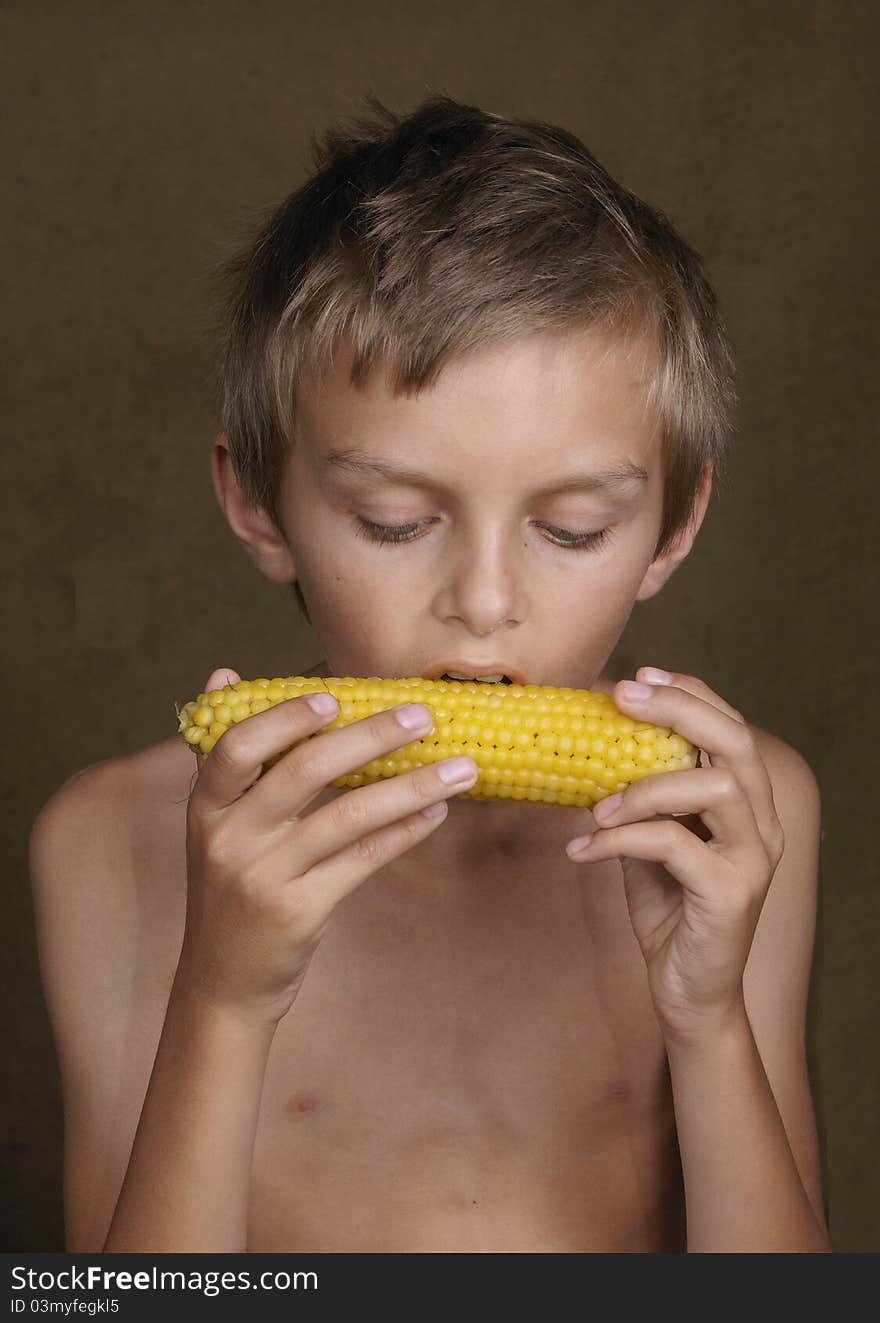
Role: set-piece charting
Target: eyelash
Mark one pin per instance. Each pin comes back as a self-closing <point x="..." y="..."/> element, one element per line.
<point x="394" y="534"/>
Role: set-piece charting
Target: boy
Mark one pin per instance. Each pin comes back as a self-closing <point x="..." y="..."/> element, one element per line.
<point x="474" y="397"/>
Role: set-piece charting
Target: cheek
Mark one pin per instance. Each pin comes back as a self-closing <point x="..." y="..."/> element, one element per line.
<point x="345" y="597"/>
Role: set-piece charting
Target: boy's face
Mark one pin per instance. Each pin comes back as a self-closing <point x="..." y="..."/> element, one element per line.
<point x="486" y="577"/>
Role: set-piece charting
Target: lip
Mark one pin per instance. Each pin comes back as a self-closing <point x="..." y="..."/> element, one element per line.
<point x="435" y="669"/>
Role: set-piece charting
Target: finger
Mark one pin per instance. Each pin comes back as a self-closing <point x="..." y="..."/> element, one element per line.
<point x="715" y="795"/>
<point x="220" y="678"/>
<point x="693" y="684"/>
<point x="345" y="842"/>
<point x="237" y="759"/>
<point x="348" y="818"/>
<point x="286" y="790"/>
<point x="690" y="861"/>
<point x="728" y="742"/>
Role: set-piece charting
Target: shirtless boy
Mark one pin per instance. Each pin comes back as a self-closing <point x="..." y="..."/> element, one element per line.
<point x="294" y="1018"/>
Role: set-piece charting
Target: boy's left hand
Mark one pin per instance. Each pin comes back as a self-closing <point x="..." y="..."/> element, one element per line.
<point x="694" y="895"/>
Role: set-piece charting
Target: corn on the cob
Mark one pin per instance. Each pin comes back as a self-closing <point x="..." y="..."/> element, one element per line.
<point x="530" y="742"/>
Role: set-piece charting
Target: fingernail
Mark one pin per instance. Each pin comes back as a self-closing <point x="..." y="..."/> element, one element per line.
<point x="457" y="769"/>
<point x="656" y="677"/>
<point x="635" y="692"/>
<point x="414" y="716"/>
<point x="574" y="847"/>
<point x="322" y="703"/>
<point x="606" y="807"/>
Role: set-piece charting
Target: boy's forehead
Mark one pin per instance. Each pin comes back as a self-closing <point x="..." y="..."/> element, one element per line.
<point x="556" y="374"/>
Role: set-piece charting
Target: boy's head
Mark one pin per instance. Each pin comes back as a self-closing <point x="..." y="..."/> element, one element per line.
<point x="473" y="298"/>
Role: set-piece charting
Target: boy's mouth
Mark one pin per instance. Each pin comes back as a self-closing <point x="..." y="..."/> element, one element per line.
<point x="491" y="671"/>
<point x="480" y="679"/>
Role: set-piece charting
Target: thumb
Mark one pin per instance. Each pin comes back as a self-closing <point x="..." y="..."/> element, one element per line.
<point x="223" y="676"/>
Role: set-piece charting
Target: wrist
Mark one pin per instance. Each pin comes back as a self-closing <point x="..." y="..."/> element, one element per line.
<point x="204" y="1013"/>
<point x="709" y="1030"/>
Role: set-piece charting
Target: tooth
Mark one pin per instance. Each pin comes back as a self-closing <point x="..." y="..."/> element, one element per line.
<point x="482" y="679"/>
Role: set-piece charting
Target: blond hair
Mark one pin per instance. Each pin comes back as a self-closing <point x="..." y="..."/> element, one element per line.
<point x="419" y="238"/>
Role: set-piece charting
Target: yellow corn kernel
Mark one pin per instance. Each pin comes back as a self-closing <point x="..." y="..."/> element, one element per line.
<point x="530" y="742"/>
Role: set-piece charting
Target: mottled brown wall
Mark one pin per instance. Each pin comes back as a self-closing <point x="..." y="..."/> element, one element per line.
<point x="139" y="140"/>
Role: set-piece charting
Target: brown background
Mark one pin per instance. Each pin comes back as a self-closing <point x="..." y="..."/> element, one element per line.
<point x="140" y="141"/>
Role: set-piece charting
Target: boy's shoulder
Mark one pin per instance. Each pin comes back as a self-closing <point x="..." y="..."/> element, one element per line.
<point x="116" y="824"/>
<point x="780" y="757"/>
<point x="115" y="779"/>
<point x="160" y="779"/>
<point x="791" y="777"/>
<point x="125" y="784"/>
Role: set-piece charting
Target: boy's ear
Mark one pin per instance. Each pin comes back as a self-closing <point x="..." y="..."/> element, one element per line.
<point x="251" y="525"/>
<point x="665" y="566"/>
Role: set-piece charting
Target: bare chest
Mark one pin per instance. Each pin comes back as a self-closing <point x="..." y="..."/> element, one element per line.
<point x="526" y="1123"/>
<point x="440" y="1086"/>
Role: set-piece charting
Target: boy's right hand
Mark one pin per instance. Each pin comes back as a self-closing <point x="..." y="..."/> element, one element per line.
<point x="262" y="882"/>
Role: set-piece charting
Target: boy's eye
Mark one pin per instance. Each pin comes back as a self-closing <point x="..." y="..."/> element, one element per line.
<point x="396" y="533"/>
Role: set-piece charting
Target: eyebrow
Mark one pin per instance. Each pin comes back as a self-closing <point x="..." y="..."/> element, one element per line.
<point x="623" y="474"/>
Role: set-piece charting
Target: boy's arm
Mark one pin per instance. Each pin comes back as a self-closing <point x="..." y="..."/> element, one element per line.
<point x="744" y="1114"/>
<point x="181" y="1159"/>
<point x="85" y="922"/>
<point x="188" y="1181"/>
